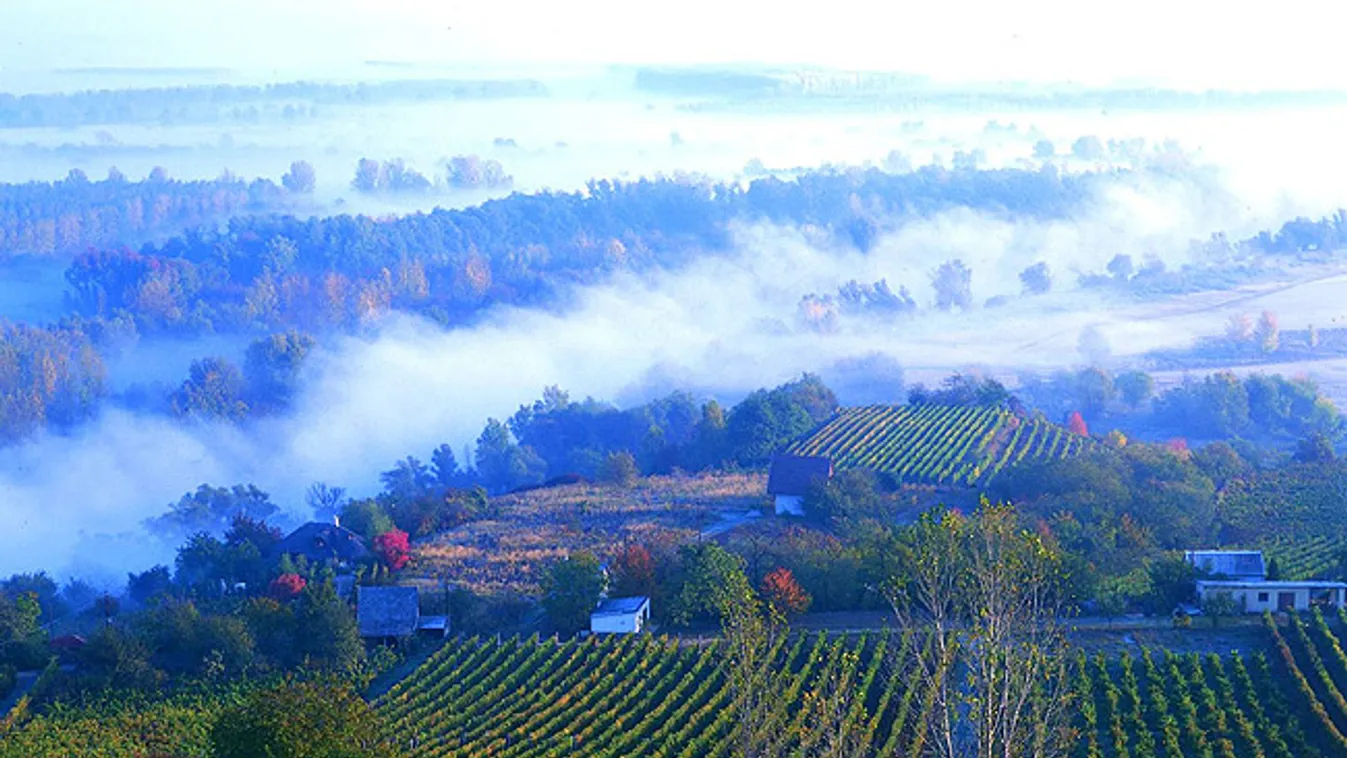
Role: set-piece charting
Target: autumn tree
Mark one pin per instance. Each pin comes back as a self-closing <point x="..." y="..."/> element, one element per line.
<point x="571" y="590"/>
<point x="393" y="549"/>
<point x="632" y="571"/>
<point x="783" y="594"/>
<point x="1077" y="424"/>
<point x="286" y="586"/>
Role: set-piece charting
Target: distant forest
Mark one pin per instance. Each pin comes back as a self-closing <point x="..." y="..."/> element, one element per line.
<point x="225" y="102"/>
<point x="813" y="89"/>
<point x="283" y="279"/>
<point x="75" y="214"/>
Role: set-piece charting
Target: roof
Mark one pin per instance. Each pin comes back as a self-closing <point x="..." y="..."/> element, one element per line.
<point x="387" y="611"/>
<point x="1278" y="585"/>
<point x="795" y="474"/>
<point x="621" y="606"/>
<point x="321" y="542"/>
<point x="1235" y="564"/>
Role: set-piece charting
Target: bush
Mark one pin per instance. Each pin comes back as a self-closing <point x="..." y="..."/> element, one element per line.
<point x="619" y="468"/>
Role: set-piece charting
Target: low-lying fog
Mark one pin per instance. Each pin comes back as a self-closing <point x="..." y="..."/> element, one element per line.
<point x="725" y="325"/>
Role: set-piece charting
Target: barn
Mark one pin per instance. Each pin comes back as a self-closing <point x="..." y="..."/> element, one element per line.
<point x="791" y="476"/>
<point x="620" y="615"/>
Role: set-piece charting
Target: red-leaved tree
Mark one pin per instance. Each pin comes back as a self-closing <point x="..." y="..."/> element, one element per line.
<point x="286" y="586"/>
<point x="1077" y="424"/>
<point x="393" y="549"/>
<point x="633" y="571"/>
<point x="783" y="593"/>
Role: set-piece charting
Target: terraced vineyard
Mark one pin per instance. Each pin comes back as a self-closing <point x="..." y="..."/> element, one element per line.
<point x="937" y="444"/>
<point x="638" y="695"/>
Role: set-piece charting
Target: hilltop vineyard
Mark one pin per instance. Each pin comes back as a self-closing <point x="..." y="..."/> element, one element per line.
<point x="644" y="695"/>
<point x="937" y="444"/>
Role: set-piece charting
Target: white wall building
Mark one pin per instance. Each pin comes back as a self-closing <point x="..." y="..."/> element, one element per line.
<point x="620" y="615"/>
<point x="1259" y="596"/>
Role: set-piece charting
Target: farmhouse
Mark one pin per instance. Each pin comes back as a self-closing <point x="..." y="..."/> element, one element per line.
<point x="620" y="615"/>
<point x="790" y="478"/>
<point x="322" y="543"/>
<point x="1243" y="575"/>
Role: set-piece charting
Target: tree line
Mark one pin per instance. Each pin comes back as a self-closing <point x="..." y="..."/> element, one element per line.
<point x="210" y="104"/>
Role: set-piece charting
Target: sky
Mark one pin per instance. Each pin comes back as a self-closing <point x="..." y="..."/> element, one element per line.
<point x="1193" y="44"/>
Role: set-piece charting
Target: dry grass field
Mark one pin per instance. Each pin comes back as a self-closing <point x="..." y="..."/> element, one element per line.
<point x="508" y="551"/>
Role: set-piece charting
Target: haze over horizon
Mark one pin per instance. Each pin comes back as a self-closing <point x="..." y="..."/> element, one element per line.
<point x="1195" y="45"/>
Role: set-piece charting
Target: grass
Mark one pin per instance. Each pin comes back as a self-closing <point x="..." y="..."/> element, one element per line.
<point x="508" y="552"/>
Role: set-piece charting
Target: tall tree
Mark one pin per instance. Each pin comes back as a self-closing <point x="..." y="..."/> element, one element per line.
<point x="990" y="592"/>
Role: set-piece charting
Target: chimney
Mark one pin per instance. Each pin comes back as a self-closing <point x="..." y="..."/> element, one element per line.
<point x="336" y="520"/>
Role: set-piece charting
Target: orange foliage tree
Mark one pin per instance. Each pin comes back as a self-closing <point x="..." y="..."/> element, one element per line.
<point x="783" y="593"/>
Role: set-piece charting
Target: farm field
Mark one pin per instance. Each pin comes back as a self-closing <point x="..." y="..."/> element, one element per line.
<point x="937" y="444"/>
<point x="507" y="551"/>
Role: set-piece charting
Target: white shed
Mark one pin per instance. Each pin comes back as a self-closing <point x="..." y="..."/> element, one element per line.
<point x="620" y="615"/>
<point x="1259" y="596"/>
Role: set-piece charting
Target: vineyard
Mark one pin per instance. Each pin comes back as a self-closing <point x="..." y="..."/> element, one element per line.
<point x="1316" y="557"/>
<point x="1287" y="704"/>
<point x="937" y="444"/>
<point x="642" y="695"/>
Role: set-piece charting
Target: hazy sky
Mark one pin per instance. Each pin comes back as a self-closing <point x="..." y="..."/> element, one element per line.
<point x="1188" y="43"/>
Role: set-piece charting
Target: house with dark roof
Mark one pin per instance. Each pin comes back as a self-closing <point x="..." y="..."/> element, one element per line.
<point x="1242" y="565"/>
<point x="791" y="476"/>
<point x="387" y="612"/>
<point x="620" y="615"/>
<point x="323" y="543"/>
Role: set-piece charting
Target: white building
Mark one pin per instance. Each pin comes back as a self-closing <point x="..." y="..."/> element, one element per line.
<point x="620" y="615"/>
<point x="1257" y="596"/>
<point x="1243" y="575"/>
<point x="791" y="476"/>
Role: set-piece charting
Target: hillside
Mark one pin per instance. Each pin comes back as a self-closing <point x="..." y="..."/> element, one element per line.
<point x="525" y="532"/>
<point x="936" y="444"/>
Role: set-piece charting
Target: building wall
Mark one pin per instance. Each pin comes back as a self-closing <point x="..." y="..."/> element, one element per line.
<point x="625" y="623"/>
<point x="789" y="505"/>
<point x="1257" y="600"/>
